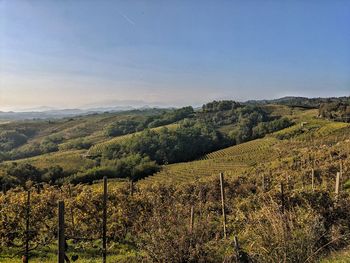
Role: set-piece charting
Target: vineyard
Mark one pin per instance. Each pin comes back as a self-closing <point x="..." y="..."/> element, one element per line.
<point x="257" y="147"/>
<point x="174" y="131"/>
<point x="284" y="196"/>
<point x="254" y="154"/>
<point x="231" y="161"/>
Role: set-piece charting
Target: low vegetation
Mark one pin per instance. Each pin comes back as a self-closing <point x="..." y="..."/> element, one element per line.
<point x="339" y="111"/>
<point x="175" y="169"/>
<point x="145" y="139"/>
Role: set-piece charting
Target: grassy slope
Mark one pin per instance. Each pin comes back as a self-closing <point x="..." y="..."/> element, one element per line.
<point x="75" y="160"/>
<point x="233" y="160"/>
<point x="267" y="152"/>
<point x="70" y="161"/>
<point x="89" y="128"/>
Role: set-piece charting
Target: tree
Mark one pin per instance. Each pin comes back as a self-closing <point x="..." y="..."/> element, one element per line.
<point x="23" y="172"/>
<point x="53" y="174"/>
<point x="11" y="139"/>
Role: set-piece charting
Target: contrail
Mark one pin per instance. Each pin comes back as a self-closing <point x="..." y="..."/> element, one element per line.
<point x="127" y="18"/>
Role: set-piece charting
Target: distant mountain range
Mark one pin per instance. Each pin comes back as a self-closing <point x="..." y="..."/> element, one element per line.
<point x="45" y="112"/>
<point x="49" y="113"/>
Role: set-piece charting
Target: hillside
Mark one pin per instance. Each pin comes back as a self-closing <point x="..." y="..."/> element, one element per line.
<point x="265" y="152"/>
<point x="280" y="199"/>
<point x="83" y="148"/>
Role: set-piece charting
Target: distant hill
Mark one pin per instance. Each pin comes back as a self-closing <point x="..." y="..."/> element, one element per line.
<point x="45" y="113"/>
<point x="304" y="102"/>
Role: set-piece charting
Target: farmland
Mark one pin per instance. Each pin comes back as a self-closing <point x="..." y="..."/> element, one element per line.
<point x="279" y="189"/>
<point x="174" y="131"/>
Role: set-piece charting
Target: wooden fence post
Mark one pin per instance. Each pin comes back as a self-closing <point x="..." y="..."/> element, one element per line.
<point x="340" y="174"/>
<point x="192" y="219"/>
<point x="337" y="185"/>
<point x="26" y="253"/>
<point x="104" y="223"/>
<point x="223" y="202"/>
<point x="61" y="237"/>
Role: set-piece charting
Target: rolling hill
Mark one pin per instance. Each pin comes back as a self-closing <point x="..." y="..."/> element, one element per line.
<point x="280" y="189"/>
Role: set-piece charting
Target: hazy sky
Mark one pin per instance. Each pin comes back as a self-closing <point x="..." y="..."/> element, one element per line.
<point x="73" y="53"/>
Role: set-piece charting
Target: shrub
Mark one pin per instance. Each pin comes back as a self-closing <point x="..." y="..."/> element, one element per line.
<point x="23" y="172"/>
<point x="121" y="127"/>
<point x="133" y="167"/>
<point x="77" y="144"/>
<point x="11" y="139"/>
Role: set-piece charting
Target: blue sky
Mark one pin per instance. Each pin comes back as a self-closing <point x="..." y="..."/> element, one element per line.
<point x="76" y="53"/>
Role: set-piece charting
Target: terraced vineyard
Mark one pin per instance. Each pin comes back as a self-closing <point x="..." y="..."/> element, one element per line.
<point x="307" y="128"/>
<point x="257" y="147"/>
<point x="269" y="150"/>
<point x="184" y="172"/>
<point x="231" y="161"/>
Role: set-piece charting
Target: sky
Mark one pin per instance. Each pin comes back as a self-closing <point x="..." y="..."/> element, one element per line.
<point x="93" y="52"/>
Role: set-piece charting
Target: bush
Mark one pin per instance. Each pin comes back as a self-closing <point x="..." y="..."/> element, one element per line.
<point x="53" y="174"/>
<point x="50" y="144"/>
<point x="23" y="172"/>
<point x="220" y="106"/>
<point x="11" y="139"/>
<point x="27" y="150"/>
<point x="93" y="174"/>
<point x="171" y="117"/>
<point x="121" y="127"/>
<point x="77" y="144"/>
<point x="264" y="128"/>
<point x="133" y="167"/>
